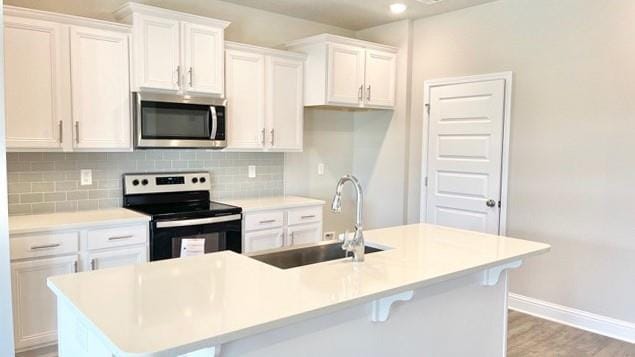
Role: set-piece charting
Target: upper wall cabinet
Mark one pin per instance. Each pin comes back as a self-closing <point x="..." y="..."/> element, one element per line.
<point x="175" y="52"/>
<point x="347" y="72"/>
<point x="66" y="82"/>
<point x="264" y="98"/>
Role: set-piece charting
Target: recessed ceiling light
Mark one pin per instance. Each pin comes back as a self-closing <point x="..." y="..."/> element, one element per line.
<point x="398" y="8"/>
<point x="429" y="2"/>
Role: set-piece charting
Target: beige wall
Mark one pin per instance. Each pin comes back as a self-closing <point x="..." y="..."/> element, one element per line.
<point x="572" y="167"/>
<point x="380" y="149"/>
<point x="248" y="25"/>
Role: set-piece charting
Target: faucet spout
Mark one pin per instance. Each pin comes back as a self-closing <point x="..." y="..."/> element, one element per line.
<point x="355" y="244"/>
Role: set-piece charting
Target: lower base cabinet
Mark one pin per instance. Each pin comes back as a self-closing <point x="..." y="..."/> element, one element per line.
<point x="34" y="305"/>
<point x="38" y="256"/>
<point x="274" y="229"/>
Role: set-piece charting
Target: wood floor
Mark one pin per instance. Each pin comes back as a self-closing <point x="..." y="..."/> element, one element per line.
<point x="529" y="336"/>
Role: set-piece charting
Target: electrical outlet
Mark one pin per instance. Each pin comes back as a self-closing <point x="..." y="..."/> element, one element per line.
<point x="329" y="235"/>
<point x="320" y="169"/>
<point x="86" y="177"/>
<point x="252" y="171"/>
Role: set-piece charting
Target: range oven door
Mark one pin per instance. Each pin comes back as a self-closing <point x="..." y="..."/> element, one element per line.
<point x="179" y="122"/>
<point x="218" y="233"/>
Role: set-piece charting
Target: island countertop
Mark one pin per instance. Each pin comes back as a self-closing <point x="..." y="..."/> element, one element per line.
<point x="154" y="308"/>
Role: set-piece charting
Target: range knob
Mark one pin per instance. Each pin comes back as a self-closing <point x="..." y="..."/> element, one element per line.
<point x="135" y="182"/>
<point x="144" y="182"/>
<point x="202" y="179"/>
<point x="194" y="180"/>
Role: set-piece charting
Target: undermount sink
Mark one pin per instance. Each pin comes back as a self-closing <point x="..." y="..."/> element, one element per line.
<point x="304" y="256"/>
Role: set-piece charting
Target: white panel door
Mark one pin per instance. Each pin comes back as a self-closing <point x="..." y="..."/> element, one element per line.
<point x="245" y="85"/>
<point x="465" y="155"/>
<point x="101" y="92"/>
<point x="36" y="83"/>
<point x="263" y="240"/>
<point x="34" y="305"/>
<point x="285" y="106"/>
<point x="345" y="75"/>
<point x="157" y="54"/>
<point x="304" y="234"/>
<point x="117" y="258"/>
<point x="203" y="59"/>
<point x="381" y="72"/>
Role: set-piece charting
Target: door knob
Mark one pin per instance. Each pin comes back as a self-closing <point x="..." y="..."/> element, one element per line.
<point x="490" y="203"/>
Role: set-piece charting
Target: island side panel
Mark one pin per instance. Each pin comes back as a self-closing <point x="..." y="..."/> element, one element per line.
<point x="460" y="317"/>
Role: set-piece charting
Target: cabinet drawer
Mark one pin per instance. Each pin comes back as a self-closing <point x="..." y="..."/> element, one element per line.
<point x="43" y="244"/>
<point x="254" y="221"/>
<point x="117" y="237"/>
<point x="305" y="215"/>
<point x="263" y="240"/>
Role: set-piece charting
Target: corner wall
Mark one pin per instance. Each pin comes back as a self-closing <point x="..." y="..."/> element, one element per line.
<point x="572" y="128"/>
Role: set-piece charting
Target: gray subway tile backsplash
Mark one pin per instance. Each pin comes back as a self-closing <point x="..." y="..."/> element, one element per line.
<point x="50" y="182"/>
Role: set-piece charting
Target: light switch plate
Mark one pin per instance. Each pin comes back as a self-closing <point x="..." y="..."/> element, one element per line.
<point x="320" y="169"/>
<point x="252" y="171"/>
<point x="86" y="177"/>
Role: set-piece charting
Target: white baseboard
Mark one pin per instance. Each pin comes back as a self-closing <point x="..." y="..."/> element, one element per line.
<point x="583" y="320"/>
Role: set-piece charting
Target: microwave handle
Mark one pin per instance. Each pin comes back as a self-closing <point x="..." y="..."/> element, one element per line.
<point x="214" y="118"/>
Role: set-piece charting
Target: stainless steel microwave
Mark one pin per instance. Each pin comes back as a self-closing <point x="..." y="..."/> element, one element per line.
<point x="171" y="121"/>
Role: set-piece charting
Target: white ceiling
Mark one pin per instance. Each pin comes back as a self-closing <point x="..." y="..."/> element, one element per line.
<point x="355" y="14"/>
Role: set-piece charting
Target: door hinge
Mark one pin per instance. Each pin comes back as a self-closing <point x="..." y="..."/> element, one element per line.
<point x="425" y="181"/>
<point x="428" y="108"/>
<point x="499" y="204"/>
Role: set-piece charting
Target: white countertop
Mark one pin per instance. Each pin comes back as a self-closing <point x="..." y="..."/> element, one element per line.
<point x="73" y="220"/>
<point x="220" y="297"/>
<point x="278" y="202"/>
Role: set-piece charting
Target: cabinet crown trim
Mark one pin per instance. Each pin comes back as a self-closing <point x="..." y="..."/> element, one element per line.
<point x="128" y="9"/>
<point x="229" y="45"/>
<point x="64" y="19"/>
<point x="329" y="38"/>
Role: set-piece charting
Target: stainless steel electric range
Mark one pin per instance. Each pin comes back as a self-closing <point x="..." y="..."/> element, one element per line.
<point x="184" y="220"/>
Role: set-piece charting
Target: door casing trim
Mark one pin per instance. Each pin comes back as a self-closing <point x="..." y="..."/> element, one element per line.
<point x="427" y="86"/>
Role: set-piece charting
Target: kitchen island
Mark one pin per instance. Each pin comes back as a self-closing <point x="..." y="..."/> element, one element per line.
<point x="432" y="291"/>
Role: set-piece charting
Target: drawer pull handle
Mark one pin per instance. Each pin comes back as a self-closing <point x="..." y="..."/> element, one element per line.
<point x="267" y="221"/>
<point x="120" y="237"/>
<point x="93" y="264"/>
<point x="47" y="246"/>
<point x="307" y="217"/>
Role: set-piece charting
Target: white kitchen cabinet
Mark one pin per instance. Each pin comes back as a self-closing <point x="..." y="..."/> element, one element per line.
<point x="175" y="52"/>
<point x="36" y="256"/>
<point x="279" y="227"/>
<point x="203" y="57"/>
<point x="67" y="83"/>
<point x="101" y="94"/>
<point x="117" y="257"/>
<point x="36" y="83"/>
<point x="264" y="98"/>
<point x="346" y="72"/>
<point x="245" y="79"/>
<point x="34" y="305"/>
<point x="263" y="240"/>
<point x="156" y="54"/>
<point x="304" y="234"/>
<point x="285" y="103"/>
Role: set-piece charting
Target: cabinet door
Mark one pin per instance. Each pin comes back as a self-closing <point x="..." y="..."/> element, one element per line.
<point x="203" y="59"/>
<point x="34" y="305"/>
<point x="245" y="85"/>
<point x="285" y="106"/>
<point x="304" y="234"/>
<point x="381" y="72"/>
<point x="101" y="93"/>
<point x="345" y="75"/>
<point x="37" y="85"/>
<point x="157" y="54"/>
<point x="117" y="258"/>
<point x="263" y="240"/>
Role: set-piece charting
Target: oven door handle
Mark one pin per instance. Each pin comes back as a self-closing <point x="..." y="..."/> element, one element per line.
<point x="198" y="221"/>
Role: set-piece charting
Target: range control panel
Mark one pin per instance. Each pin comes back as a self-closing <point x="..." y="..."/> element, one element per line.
<point x="166" y="182"/>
